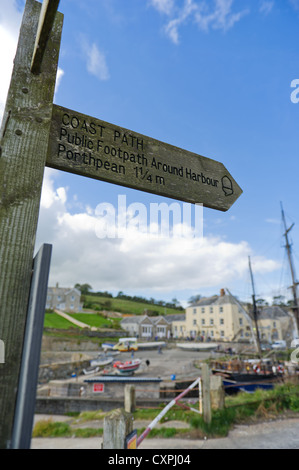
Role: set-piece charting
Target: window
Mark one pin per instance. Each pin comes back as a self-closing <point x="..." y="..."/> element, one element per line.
<point x="240" y="321"/>
<point x="211" y="309"/>
<point x="202" y="310"/>
<point x="220" y="309"/>
<point x="211" y="321"/>
<point x="194" y="310"/>
<point x="161" y="329"/>
<point x="146" y="330"/>
<point x="203" y="321"/>
<point x="194" y="322"/>
<point x="211" y="333"/>
<point x="73" y="298"/>
<point x="222" y="334"/>
<point x="221" y="321"/>
<point x="274" y="324"/>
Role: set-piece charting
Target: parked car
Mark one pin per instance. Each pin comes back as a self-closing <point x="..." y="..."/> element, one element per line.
<point x="295" y="343"/>
<point x="279" y="344"/>
<point x="265" y="347"/>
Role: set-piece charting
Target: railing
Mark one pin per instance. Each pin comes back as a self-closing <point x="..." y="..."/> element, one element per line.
<point x="170" y="405"/>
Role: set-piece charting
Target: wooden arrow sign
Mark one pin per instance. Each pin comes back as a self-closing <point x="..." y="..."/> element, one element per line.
<point x="90" y="147"/>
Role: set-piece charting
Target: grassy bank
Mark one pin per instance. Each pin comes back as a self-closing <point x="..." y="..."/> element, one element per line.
<point x="126" y="306"/>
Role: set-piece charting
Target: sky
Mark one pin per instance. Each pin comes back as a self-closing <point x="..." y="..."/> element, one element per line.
<point x="219" y="78"/>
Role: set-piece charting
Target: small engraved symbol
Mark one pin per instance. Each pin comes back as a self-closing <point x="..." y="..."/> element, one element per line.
<point x="227" y="186"/>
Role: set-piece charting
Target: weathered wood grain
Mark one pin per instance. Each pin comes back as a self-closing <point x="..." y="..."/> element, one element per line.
<point x="97" y="149"/>
<point x="23" y="141"/>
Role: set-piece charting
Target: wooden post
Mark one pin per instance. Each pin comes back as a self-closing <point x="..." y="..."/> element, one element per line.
<point x="207" y="413"/>
<point x="24" y="139"/>
<point x="45" y="25"/>
<point x="130" y="401"/>
<point x="117" y="426"/>
<point x="217" y="392"/>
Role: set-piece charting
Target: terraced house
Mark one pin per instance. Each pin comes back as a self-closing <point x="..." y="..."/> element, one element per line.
<point x="146" y="327"/>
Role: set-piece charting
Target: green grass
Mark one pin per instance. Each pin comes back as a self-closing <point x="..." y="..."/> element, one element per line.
<point x="52" y="320"/>
<point x="242" y="408"/>
<point x="128" y="306"/>
<point x="93" y="319"/>
<point x="48" y="428"/>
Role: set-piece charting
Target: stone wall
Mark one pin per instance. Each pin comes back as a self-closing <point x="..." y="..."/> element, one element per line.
<point x="60" y="406"/>
<point x="61" y="370"/>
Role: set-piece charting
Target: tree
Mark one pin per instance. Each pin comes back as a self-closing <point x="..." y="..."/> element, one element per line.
<point x="83" y="288"/>
<point x="175" y="302"/>
<point x="194" y="299"/>
<point x="278" y="300"/>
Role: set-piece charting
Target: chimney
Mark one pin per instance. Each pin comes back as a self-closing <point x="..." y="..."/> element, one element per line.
<point x="222" y="292"/>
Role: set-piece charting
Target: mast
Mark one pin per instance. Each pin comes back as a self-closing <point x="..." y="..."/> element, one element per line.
<point x="294" y="285"/>
<point x="255" y="313"/>
<point x="248" y="318"/>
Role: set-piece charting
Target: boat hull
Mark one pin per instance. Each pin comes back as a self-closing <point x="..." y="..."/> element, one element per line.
<point x="197" y="346"/>
<point x="236" y="382"/>
<point x="153" y="345"/>
<point x="127" y="368"/>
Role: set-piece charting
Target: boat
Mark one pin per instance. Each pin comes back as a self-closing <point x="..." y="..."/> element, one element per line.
<point x="91" y="370"/>
<point x="153" y="345"/>
<point x="128" y="367"/>
<point x="192" y="346"/>
<point x="247" y="376"/>
<point x="234" y="383"/>
<point x="102" y="361"/>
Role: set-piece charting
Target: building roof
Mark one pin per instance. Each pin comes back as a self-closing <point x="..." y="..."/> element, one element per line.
<point x="215" y="300"/>
<point x="204" y="301"/>
<point x="175" y="317"/>
<point x="272" y="312"/>
<point x="135" y="319"/>
<point x="158" y="319"/>
<point x="63" y="290"/>
<point x="120" y="379"/>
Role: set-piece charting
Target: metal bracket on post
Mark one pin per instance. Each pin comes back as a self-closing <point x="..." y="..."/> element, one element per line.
<point x="23" y="421"/>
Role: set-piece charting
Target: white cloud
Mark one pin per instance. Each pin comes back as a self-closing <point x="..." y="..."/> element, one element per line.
<point x="215" y="14"/>
<point x="295" y="4"/>
<point x="266" y="7"/>
<point x="171" y="29"/>
<point x="95" y="60"/>
<point x="220" y="17"/>
<point x="163" y="6"/>
<point x="59" y="76"/>
<point x="137" y="261"/>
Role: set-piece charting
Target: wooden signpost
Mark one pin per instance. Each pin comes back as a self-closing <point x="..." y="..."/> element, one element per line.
<point x="90" y="147"/>
<point x="34" y="134"/>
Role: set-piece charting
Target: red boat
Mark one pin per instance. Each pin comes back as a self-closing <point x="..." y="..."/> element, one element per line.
<point x="127" y="367"/>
